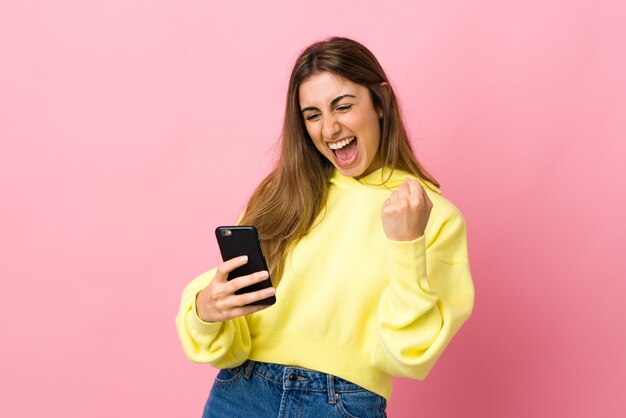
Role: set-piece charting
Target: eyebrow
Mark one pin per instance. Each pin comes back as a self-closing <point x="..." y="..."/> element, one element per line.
<point x="332" y="103"/>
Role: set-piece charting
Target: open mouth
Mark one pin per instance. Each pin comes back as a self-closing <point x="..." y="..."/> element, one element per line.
<point x="345" y="151"/>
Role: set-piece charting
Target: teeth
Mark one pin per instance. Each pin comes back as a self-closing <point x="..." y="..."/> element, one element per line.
<point x="341" y="144"/>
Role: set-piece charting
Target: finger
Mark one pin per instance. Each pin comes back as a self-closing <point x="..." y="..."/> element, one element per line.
<point x="387" y="205"/>
<point x="425" y="197"/>
<point x="392" y="204"/>
<point x="235" y="301"/>
<point x="395" y="197"/>
<point x="403" y="191"/>
<point x="230" y="265"/>
<point x="247" y="280"/>
<point x="416" y="190"/>
<point x="246" y="310"/>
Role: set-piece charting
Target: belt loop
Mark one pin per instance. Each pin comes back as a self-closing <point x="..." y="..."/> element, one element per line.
<point x="332" y="395"/>
<point x="248" y="370"/>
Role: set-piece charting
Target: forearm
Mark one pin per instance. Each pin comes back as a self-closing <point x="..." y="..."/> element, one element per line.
<point x="223" y="344"/>
<point x="420" y="311"/>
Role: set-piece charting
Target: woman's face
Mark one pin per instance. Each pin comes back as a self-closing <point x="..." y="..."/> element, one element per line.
<point x="342" y="122"/>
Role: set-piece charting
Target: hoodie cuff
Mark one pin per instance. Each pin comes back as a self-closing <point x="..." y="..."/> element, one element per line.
<point x="195" y="324"/>
<point x="407" y="264"/>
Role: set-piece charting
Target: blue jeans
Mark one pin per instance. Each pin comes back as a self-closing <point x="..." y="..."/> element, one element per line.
<point x="267" y="390"/>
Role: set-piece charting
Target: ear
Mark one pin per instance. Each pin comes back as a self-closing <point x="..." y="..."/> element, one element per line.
<point x="384" y="90"/>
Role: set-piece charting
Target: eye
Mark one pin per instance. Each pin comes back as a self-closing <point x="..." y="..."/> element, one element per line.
<point x="312" y="116"/>
<point x="344" y="108"/>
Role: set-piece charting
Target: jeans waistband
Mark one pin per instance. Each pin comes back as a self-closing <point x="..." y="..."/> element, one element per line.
<point x="292" y="377"/>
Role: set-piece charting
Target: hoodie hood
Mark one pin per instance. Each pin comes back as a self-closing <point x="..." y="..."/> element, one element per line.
<point x="383" y="178"/>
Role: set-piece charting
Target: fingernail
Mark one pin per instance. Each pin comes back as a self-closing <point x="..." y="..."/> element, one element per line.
<point x="265" y="274"/>
<point x="244" y="258"/>
<point x="270" y="291"/>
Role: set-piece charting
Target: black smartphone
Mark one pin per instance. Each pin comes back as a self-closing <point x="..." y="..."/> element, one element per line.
<point x="235" y="241"/>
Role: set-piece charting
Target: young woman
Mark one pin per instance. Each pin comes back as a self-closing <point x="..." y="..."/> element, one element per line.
<point x="368" y="260"/>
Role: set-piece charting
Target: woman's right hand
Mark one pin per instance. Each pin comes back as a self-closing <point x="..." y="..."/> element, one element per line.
<point x="218" y="302"/>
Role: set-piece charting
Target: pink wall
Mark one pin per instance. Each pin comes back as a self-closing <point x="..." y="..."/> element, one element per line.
<point x="120" y="120"/>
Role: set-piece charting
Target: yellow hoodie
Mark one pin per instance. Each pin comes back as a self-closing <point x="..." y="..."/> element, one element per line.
<point x="351" y="302"/>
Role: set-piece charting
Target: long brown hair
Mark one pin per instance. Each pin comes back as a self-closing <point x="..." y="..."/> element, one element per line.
<point x="286" y="203"/>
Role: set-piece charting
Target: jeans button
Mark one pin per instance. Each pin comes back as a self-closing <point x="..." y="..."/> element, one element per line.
<point x="292" y="377"/>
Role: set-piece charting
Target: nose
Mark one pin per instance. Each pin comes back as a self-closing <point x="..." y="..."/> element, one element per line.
<point x="330" y="126"/>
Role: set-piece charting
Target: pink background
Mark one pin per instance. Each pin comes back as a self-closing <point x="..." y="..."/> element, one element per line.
<point x="120" y="122"/>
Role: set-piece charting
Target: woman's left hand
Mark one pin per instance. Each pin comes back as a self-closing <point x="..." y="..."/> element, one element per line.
<point x="406" y="212"/>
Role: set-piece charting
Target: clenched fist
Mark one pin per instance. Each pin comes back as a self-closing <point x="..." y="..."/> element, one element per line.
<point x="406" y="212"/>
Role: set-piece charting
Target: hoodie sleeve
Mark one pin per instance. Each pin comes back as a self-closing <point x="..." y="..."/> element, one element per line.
<point x="429" y="297"/>
<point x="222" y="344"/>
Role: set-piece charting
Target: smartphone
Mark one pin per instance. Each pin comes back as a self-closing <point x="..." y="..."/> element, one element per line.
<point x="235" y="241"/>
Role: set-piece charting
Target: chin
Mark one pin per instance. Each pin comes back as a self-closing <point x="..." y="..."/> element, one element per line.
<point x="351" y="171"/>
